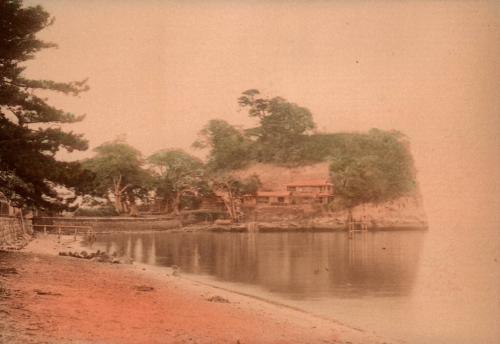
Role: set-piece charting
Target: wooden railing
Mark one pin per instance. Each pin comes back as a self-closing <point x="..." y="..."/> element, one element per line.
<point x="75" y="229"/>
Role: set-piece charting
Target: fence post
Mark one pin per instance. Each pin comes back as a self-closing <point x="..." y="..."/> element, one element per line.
<point x="58" y="234"/>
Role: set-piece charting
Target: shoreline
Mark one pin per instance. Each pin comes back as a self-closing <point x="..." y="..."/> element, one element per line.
<point x="285" y="324"/>
<point x="293" y="226"/>
<point x="119" y="224"/>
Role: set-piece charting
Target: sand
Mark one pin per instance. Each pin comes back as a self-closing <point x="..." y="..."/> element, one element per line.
<point x="54" y="299"/>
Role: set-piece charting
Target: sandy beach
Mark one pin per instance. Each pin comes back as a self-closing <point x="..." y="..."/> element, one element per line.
<point x="46" y="298"/>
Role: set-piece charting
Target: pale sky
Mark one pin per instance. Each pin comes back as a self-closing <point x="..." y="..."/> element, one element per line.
<point x="159" y="70"/>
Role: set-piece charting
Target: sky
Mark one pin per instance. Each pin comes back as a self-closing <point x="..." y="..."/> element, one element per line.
<point x="159" y="70"/>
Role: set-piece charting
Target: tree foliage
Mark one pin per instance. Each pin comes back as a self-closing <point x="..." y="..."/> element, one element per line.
<point x="282" y="125"/>
<point x="372" y="167"/>
<point x="119" y="174"/>
<point x="279" y="137"/>
<point x="229" y="148"/>
<point x="30" y="135"/>
<point x="177" y="174"/>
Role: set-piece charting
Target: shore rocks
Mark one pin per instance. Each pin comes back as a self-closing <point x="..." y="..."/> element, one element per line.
<point x="217" y="298"/>
<point x="314" y="225"/>
<point x="8" y="271"/>
<point x="144" y="288"/>
<point x="101" y="257"/>
<point x="48" y="293"/>
<point x="16" y="245"/>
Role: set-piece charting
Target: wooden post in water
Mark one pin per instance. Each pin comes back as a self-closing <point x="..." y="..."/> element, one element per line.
<point x="45" y="230"/>
<point x="252" y="227"/>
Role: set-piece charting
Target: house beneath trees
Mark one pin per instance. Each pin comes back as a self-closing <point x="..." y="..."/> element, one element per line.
<point x="316" y="191"/>
<point x="268" y="198"/>
<point x="311" y="191"/>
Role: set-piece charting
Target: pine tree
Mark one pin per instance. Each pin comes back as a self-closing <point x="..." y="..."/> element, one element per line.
<point x="30" y="128"/>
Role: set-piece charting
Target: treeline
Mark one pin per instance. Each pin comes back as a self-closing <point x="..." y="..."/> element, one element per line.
<point x="286" y="135"/>
<point x="365" y="167"/>
<point x="166" y="181"/>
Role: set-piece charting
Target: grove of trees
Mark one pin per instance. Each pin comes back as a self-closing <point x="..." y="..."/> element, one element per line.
<point x="365" y="167"/>
<point x="374" y="166"/>
<point x="177" y="174"/>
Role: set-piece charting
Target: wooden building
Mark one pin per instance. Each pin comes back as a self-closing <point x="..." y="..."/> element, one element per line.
<point x="274" y="197"/>
<point x="298" y="192"/>
<point x="311" y="191"/>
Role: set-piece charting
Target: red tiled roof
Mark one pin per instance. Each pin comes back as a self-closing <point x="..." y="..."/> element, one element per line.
<point x="313" y="182"/>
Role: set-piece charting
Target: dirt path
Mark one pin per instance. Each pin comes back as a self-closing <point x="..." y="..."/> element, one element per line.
<point x="50" y="299"/>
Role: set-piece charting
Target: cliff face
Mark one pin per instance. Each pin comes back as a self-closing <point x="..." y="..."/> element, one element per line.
<point x="402" y="212"/>
<point x="399" y="212"/>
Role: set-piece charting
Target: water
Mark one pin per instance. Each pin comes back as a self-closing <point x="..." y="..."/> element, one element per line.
<point x="392" y="283"/>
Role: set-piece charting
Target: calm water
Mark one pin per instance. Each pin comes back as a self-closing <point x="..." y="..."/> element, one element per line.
<point x="383" y="282"/>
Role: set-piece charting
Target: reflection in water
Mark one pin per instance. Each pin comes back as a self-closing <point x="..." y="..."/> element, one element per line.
<point x="369" y="282"/>
<point x="298" y="265"/>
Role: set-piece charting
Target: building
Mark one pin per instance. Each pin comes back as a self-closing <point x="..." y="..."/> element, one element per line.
<point x="311" y="191"/>
<point x="298" y="192"/>
<point x="212" y="203"/>
<point x="274" y="197"/>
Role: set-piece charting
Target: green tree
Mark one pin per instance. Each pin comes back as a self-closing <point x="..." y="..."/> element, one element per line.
<point x="177" y="174"/>
<point x="371" y="168"/>
<point x="30" y="133"/>
<point x="282" y="126"/>
<point x="229" y="148"/>
<point x="119" y="175"/>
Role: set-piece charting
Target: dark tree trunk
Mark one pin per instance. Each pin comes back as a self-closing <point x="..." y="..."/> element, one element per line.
<point x="177" y="204"/>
